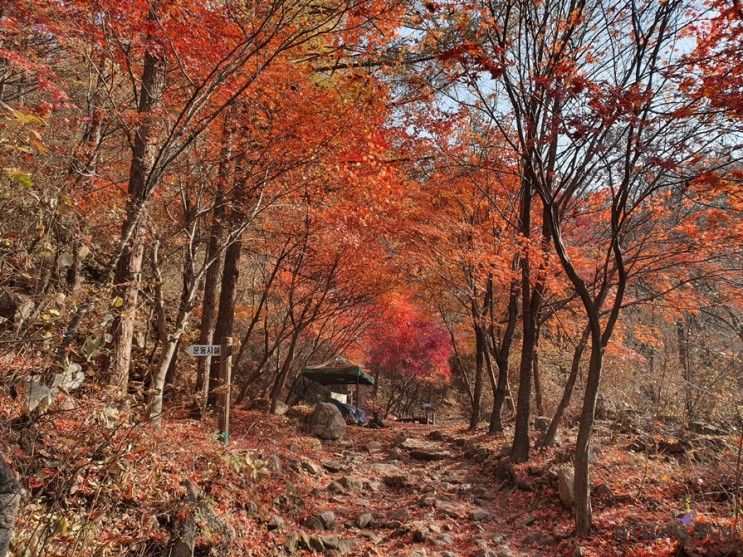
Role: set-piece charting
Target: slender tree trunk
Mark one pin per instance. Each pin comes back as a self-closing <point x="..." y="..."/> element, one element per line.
<point x="188" y="290"/>
<point x="83" y="167"/>
<point x="531" y="304"/>
<point x="226" y="313"/>
<point x="502" y="359"/>
<point x="211" y="281"/>
<point x="537" y="380"/>
<point x="128" y="287"/>
<point x="567" y="393"/>
<point x="278" y="384"/>
<point x="129" y="265"/>
<point x="682" y="337"/>
<point x="209" y="302"/>
<point x="582" y="484"/>
<point x="520" y="446"/>
<point x="477" y="393"/>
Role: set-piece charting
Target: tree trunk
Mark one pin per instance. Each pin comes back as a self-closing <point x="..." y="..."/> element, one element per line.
<point x="537" y="380"/>
<point x="209" y="307"/>
<point x="502" y="357"/>
<point x="520" y="445"/>
<point x="188" y="292"/>
<point x="211" y="281"/>
<point x="155" y="409"/>
<point x="682" y="336"/>
<point x="226" y="313"/>
<point x="531" y="303"/>
<point x="129" y="265"/>
<point x="477" y="394"/>
<point x="551" y="433"/>
<point x="128" y="293"/>
<point x="582" y="485"/>
<point x="278" y="384"/>
<point x="10" y="500"/>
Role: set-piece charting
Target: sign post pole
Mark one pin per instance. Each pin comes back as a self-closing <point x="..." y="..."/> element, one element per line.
<point x="225" y="381"/>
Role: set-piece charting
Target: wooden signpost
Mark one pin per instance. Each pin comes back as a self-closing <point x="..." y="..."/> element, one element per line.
<point x="224" y="383"/>
<point x="204" y="350"/>
<point x="223" y="394"/>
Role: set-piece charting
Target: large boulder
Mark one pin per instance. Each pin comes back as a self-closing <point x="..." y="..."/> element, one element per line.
<point x="326" y="422"/>
<point x="565" y="480"/>
<point x="300" y="413"/>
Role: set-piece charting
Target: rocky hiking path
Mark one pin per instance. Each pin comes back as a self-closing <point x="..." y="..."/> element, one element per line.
<point x="406" y="490"/>
<point x="402" y="491"/>
<point x="421" y="491"/>
<point x="398" y="491"/>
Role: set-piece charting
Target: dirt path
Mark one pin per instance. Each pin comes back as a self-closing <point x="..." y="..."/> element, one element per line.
<point x="405" y="490"/>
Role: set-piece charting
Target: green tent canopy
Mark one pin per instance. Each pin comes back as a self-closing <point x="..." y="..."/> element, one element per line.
<point x="337" y="371"/>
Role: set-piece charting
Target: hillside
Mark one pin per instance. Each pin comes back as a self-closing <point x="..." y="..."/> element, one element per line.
<point x="406" y="489"/>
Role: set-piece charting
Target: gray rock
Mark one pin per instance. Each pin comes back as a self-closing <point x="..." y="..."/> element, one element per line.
<point x="421" y="534"/>
<point x="333" y="545"/>
<point x="480" y="515"/>
<point x="336" y="487"/>
<point x="538" y="538"/>
<point x="593" y="454"/>
<point x="427" y="501"/>
<point x="273" y="462"/>
<point x="503" y="551"/>
<point x="400" y="439"/>
<point x="276" y="523"/>
<point x="364" y="520"/>
<point x="291" y="543"/>
<point x="541" y="423"/>
<point x="300" y="413"/>
<point x="264" y="405"/>
<point x="373" y="446"/>
<point x="429" y="456"/>
<point x="565" y="479"/>
<point x="396" y="481"/>
<point x="328" y="519"/>
<point x="310" y="467"/>
<point x="349" y="484"/>
<point x="326" y="422"/>
<point x="449" y="510"/>
<point x="314" y="523"/>
<point x="384" y="469"/>
<point x="332" y="466"/>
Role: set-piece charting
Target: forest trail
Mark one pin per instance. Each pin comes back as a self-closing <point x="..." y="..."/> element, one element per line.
<point x="411" y="490"/>
<point x="400" y="491"/>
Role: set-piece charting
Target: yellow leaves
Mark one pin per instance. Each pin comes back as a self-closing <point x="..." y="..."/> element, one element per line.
<point x="20" y="177"/>
<point x="24" y="118"/>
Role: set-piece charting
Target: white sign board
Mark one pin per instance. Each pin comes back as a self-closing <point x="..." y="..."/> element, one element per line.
<point x="203" y="350"/>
